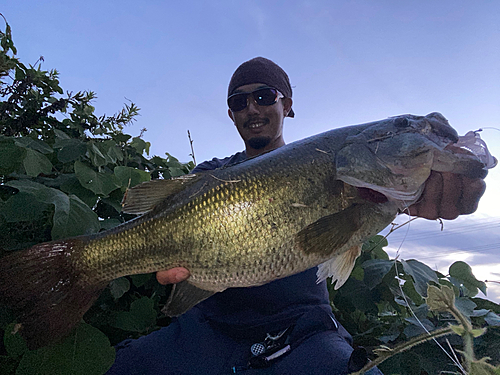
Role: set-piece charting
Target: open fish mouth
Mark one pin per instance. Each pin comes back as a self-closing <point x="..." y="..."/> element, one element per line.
<point x="396" y="159"/>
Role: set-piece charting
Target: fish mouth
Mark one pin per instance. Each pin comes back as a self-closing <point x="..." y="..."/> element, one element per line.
<point x="441" y="128"/>
<point x="371" y="195"/>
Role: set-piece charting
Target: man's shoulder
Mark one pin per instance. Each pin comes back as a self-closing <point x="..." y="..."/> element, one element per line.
<point x="215" y="163"/>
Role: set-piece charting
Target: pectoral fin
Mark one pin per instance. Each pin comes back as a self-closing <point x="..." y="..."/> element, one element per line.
<point x="144" y="197"/>
<point x="183" y="297"/>
<point x="339" y="267"/>
<point x="331" y="232"/>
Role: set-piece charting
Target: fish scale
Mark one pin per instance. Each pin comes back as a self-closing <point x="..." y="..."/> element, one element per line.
<point x="312" y="202"/>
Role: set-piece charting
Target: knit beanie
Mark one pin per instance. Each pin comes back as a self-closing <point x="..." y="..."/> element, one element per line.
<point x="261" y="70"/>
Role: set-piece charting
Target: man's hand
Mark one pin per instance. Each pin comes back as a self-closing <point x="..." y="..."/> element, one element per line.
<point x="448" y="195"/>
<point x="172" y="276"/>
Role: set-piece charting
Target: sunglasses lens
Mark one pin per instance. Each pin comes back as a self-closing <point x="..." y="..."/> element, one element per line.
<point x="265" y="96"/>
<point x="237" y="102"/>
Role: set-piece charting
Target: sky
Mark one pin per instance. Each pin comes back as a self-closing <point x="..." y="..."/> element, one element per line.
<point x="349" y="62"/>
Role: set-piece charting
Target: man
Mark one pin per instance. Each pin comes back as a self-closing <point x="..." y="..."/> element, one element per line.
<point x="286" y="326"/>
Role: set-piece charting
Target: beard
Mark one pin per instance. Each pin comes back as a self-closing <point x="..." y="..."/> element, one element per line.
<point x="258" y="143"/>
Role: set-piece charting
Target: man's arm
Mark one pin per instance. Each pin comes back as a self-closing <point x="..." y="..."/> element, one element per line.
<point x="446" y="196"/>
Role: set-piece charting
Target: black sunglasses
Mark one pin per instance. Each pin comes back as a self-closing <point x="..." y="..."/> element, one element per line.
<point x="264" y="96"/>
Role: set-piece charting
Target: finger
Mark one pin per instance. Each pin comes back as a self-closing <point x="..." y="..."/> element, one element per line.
<point x="451" y="196"/>
<point x="473" y="190"/>
<point x="172" y="276"/>
<point x="427" y="206"/>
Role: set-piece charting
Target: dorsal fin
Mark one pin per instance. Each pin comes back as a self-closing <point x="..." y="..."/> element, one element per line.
<point x="144" y="197"/>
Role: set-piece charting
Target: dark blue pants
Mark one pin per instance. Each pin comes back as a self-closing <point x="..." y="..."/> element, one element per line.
<point x="192" y="345"/>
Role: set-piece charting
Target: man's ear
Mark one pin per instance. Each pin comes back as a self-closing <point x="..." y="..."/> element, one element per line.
<point x="287" y="105"/>
<point x="230" y="114"/>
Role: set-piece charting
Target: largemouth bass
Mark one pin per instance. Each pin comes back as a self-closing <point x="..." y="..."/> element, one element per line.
<point x="311" y="202"/>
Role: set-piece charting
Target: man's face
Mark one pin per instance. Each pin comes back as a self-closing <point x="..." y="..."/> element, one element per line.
<point x="260" y="127"/>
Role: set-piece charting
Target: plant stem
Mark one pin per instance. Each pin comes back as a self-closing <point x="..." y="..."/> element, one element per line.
<point x="405" y="346"/>
<point x="467" y="337"/>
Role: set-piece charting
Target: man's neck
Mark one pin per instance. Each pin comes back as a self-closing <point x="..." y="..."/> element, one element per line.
<point x="251" y="152"/>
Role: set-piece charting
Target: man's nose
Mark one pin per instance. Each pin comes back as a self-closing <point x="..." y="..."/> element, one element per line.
<point x="252" y="106"/>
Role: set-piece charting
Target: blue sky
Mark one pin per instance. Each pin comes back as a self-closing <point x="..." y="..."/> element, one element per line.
<point x="349" y="62"/>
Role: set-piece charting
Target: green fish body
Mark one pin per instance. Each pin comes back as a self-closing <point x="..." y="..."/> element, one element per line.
<point x="311" y="202"/>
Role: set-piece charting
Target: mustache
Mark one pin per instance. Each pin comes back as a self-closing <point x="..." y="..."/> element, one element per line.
<point x="251" y="120"/>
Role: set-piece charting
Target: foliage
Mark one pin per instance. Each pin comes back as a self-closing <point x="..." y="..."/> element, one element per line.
<point x="63" y="172"/>
<point x="390" y="306"/>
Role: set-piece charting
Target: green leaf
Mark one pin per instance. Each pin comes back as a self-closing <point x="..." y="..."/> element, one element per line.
<point x="129" y="177"/>
<point x="141" y="279"/>
<point x="114" y="153"/>
<point x="375" y="270"/>
<point x="391" y="334"/>
<point x="70" y="149"/>
<point x="13" y="341"/>
<point x="119" y="287"/>
<point x="88" y="109"/>
<point x="410" y="290"/>
<point x="79" y="220"/>
<point x="86" y="351"/>
<point x="421" y="275"/>
<point x="120" y="137"/>
<point x="73" y="186"/>
<point x="492" y="319"/>
<point x="22" y="207"/>
<point x="176" y="172"/>
<point x="99" y="183"/>
<point x="459" y="330"/>
<point x="109" y="223"/>
<point x="481" y="312"/>
<point x="463" y="272"/>
<point x="140" y="145"/>
<point x="140" y="318"/>
<point x="36" y="163"/>
<point x="482" y="367"/>
<point x="465" y="306"/>
<point x="34" y="144"/>
<point x="97" y="156"/>
<point x="113" y="202"/>
<point x="71" y="217"/>
<point x="11" y="156"/>
<point x="60" y="135"/>
<point x="478" y="332"/>
<point x="19" y="76"/>
<point x="415" y="328"/>
<point x="359" y="295"/>
<point x="358" y="273"/>
<point x="375" y="245"/>
<point x="421" y="311"/>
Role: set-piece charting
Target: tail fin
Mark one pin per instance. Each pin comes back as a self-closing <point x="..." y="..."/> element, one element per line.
<point x="48" y="294"/>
